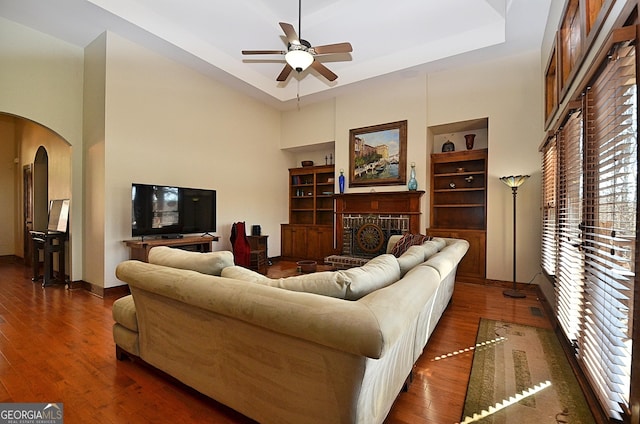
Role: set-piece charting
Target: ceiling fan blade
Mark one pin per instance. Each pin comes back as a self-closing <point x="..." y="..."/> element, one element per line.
<point x="263" y="52"/>
<point x="284" y="73"/>
<point x="333" y="48"/>
<point x="323" y="70"/>
<point x="290" y="32"/>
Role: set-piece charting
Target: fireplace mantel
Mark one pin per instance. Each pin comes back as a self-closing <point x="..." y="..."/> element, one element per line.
<point x="378" y="203"/>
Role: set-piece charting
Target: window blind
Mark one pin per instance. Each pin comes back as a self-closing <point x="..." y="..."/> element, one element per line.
<point x="605" y="341"/>
<point x="549" y="246"/>
<point x="570" y="261"/>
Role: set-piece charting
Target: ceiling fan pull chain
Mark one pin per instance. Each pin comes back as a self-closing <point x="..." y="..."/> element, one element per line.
<point x="300" y="18"/>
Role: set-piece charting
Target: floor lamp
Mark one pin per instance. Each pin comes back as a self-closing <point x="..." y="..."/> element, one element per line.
<point x="514" y="182"/>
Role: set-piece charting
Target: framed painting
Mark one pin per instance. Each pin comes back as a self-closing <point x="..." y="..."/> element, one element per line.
<point x="378" y="155"/>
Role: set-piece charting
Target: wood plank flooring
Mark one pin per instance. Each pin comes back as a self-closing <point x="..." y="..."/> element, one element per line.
<point x="56" y="346"/>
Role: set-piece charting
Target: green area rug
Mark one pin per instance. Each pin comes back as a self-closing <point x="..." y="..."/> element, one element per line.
<point x="520" y="374"/>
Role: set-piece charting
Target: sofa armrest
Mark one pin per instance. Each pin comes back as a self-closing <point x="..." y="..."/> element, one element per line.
<point x="392" y="242"/>
<point x="397" y="306"/>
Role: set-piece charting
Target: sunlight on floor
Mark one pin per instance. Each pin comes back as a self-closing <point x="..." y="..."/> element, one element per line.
<point x="507" y="402"/>
<point x="482" y="345"/>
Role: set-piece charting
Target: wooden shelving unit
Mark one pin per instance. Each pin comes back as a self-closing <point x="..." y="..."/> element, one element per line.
<point x="309" y="233"/>
<point x="459" y="204"/>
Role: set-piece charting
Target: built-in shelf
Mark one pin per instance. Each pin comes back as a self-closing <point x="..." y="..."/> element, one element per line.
<point x="458" y="204"/>
<point x="309" y="233"/>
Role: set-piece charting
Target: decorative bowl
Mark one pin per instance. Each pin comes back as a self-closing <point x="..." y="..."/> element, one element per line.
<point x="460" y="169"/>
<point x="307" y="163"/>
<point x="307" y="266"/>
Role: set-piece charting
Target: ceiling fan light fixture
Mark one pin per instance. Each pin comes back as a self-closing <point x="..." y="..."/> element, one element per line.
<point x="299" y="59"/>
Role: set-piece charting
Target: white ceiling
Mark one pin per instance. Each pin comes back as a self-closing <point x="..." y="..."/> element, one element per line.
<point x="390" y="39"/>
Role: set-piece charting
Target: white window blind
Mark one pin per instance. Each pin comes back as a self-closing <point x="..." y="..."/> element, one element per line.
<point x="549" y="246"/>
<point x="609" y="227"/>
<point x="570" y="261"/>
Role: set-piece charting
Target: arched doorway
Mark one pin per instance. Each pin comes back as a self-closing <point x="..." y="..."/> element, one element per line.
<point x="43" y="163"/>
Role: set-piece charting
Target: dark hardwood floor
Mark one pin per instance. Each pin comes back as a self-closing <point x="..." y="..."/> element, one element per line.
<point x="56" y="346"/>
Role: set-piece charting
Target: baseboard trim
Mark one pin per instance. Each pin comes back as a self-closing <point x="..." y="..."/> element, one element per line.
<point x="99" y="291"/>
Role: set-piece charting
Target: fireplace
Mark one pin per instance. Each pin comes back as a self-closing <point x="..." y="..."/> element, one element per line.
<point x="366" y="235"/>
<point x="365" y="221"/>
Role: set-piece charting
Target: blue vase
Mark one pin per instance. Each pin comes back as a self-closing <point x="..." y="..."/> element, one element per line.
<point x="413" y="183"/>
<point x="341" y="181"/>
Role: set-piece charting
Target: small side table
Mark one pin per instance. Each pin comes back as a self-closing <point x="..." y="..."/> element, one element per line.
<point x="49" y="242"/>
<point x="259" y="253"/>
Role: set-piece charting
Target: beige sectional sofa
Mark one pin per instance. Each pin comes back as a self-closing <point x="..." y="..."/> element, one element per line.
<point x="329" y="347"/>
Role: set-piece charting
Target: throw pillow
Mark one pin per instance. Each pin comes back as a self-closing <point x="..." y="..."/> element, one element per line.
<point x="406" y="242"/>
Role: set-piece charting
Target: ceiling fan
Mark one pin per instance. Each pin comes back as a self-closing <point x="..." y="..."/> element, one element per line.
<point x="300" y="54"/>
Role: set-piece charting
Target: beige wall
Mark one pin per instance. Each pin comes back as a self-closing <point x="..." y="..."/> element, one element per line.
<point x="8" y="181"/>
<point x="148" y="119"/>
<point x="509" y="93"/>
<point x="93" y="157"/>
<point x="42" y="81"/>
<point x="167" y="124"/>
<point x="332" y="120"/>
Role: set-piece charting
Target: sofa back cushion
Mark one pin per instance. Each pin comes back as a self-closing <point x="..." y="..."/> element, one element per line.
<point x="447" y="259"/>
<point x="414" y="256"/>
<point x="244" y="274"/>
<point x="431" y="247"/>
<point x="440" y="242"/>
<point x="379" y="272"/>
<point x="211" y="263"/>
<point x="324" y="283"/>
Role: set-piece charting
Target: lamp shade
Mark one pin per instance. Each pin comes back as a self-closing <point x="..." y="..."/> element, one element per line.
<point x="299" y="59"/>
<point x="514" y="180"/>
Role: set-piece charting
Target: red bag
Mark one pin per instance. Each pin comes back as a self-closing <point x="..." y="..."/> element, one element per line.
<point x="240" y="245"/>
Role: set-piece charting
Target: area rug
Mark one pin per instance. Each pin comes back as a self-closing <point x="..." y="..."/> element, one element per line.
<point x="521" y="375"/>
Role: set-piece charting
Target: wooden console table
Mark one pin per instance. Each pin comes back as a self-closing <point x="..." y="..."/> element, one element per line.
<point x="139" y="249"/>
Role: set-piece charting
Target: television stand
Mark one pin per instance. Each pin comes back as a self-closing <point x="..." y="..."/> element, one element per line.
<point x="172" y="236"/>
<point x="139" y="249"/>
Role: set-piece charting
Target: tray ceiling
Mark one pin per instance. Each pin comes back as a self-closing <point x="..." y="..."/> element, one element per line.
<point x="389" y="39"/>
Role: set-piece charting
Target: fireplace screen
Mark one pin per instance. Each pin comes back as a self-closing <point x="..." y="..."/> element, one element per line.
<point x="366" y="236"/>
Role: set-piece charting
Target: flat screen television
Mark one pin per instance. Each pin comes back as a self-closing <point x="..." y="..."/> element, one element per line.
<point x="170" y="211"/>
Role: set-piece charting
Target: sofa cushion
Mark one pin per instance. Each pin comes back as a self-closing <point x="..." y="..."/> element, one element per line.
<point x="443" y="262"/>
<point x="242" y="273"/>
<point x="411" y="258"/>
<point x="124" y="313"/>
<point x="440" y="242"/>
<point x="325" y="283"/>
<point x="211" y="263"/>
<point x="406" y="242"/>
<point x="430" y="248"/>
<point x="379" y="272"/>
<point x="126" y="339"/>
